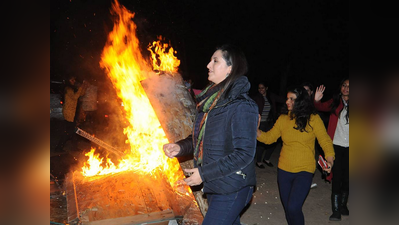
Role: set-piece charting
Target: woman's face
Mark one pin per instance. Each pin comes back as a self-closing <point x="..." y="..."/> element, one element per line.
<point x="290" y="100"/>
<point x="345" y="88"/>
<point x="218" y="68"/>
<point x="262" y="89"/>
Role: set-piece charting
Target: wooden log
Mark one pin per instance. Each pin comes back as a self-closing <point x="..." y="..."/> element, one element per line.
<point x="175" y="109"/>
<point x="155" y="217"/>
<point x="126" y="198"/>
<point x="172" y="104"/>
<point x="70" y="192"/>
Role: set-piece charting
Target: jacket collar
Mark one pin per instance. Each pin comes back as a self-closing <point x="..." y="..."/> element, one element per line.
<point x="239" y="87"/>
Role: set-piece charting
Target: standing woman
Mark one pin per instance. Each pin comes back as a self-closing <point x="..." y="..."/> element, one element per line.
<point x="338" y="129"/>
<point x="266" y="102"/>
<point x="298" y="126"/>
<point x="71" y="95"/>
<point x="223" y="140"/>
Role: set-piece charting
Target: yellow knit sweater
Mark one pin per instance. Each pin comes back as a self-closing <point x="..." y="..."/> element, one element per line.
<point x="297" y="152"/>
<point x="71" y="102"/>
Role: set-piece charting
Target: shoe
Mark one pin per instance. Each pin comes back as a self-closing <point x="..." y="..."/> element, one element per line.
<point x="344" y="201"/>
<point x="260" y="166"/>
<point x="268" y="163"/>
<point x="336" y="207"/>
<point x="313" y="185"/>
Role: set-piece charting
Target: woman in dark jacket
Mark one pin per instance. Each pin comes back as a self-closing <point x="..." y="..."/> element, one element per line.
<point x="223" y="141"/>
<point x="266" y="102"/>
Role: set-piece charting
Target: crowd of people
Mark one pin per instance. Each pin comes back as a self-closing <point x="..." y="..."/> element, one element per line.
<point x="233" y="133"/>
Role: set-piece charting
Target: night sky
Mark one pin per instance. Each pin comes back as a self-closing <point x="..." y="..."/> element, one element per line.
<point x="299" y="40"/>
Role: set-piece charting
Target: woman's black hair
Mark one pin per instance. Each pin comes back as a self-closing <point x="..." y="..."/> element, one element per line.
<point x="337" y="98"/>
<point x="236" y="58"/>
<point x="302" y="109"/>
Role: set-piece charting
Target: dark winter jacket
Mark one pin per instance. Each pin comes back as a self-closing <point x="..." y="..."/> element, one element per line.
<point x="229" y="143"/>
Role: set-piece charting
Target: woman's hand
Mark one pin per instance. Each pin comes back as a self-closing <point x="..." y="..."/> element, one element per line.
<point x="319" y="93"/>
<point x="171" y="149"/>
<point x="330" y="163"/>
<point x="258" y="133"/>
<point x="194" y="179"/>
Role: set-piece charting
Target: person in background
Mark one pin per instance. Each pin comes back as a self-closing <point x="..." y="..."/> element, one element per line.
<point x="71" y="96"/>
<point x="223" y="140"/>
<point x="310" y="90"/>
<point x="298" y="126"/>
<point x="338" y="129"/>
<point x="189" y="85"/>
<point x="266" y="102"/>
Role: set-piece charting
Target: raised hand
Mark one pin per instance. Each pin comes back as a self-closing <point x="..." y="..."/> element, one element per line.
<point x="171" y="149"/>
<point x="319" y="93"/>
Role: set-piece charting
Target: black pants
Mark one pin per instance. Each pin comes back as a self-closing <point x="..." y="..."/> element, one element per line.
<point x="340" y="180"/>
<point x="261" y="147"/>
<point x="68" y="134"/>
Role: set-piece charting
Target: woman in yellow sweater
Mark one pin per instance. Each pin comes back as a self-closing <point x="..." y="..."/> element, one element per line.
<point x="298" y="126"/>
<point x="72" y="93"/>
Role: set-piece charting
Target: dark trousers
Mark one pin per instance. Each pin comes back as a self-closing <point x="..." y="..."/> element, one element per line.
<point x="226" y="209"/>
<point x="261" y="147"/>
<point x="68" y="134"/>
<point x="340" y="170"/>
<point x="294" y="188"/>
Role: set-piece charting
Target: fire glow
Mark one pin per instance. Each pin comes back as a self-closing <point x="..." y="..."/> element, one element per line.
<point x="125" y="66"/>
<point x="168" y="62"/>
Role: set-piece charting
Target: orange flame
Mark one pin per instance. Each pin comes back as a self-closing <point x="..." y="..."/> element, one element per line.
<point x="168" y="62"/>
<point x="125" y="66"/>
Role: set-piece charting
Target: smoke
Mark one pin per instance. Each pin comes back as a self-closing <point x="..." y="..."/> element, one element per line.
<point x="108" y="121"/>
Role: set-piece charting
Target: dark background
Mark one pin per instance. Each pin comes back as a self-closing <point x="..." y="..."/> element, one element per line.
<point x="286" y="42"/>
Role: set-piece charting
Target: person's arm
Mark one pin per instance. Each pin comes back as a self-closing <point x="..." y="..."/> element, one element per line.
<point x="321" y="106"/>
<point x="243" y="128"/>
<point x="186" y="146"/>
<point x="180" y="148"/>
<point x="272" y="135"/>
<point x="71" y="94"/>
<point x="324" y="139"/>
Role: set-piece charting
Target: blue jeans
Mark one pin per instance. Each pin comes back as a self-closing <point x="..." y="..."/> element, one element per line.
<point x="226" y="209"/>
<point x="294" y="188"/>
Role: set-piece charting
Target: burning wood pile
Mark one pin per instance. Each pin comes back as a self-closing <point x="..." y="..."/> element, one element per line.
<point x="142" y="187"/>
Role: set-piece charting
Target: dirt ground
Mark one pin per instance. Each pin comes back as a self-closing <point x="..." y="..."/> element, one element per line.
<point x="266" y="207"/>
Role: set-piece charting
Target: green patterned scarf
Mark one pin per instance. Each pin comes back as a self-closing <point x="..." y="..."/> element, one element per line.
<point x="209" y="98"/>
